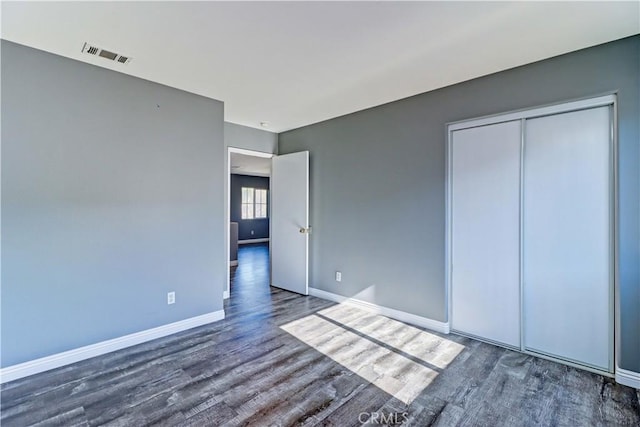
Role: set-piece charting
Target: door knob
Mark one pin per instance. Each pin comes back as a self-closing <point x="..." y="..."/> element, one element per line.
<point x="304" y="230"/>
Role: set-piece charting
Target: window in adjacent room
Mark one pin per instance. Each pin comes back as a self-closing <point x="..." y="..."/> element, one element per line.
<point x="254" y="203"/>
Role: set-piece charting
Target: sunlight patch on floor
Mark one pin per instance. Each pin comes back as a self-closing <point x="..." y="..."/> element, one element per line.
<point x="426" y="346"/>
<point x="397" y="358"/>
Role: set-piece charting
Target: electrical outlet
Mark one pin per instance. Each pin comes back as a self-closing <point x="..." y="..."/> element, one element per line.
<point x="338" y="276"/>
<point x="171" y="298"/>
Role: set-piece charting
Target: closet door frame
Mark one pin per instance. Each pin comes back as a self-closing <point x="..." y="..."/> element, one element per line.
<point x="610" y="100"/>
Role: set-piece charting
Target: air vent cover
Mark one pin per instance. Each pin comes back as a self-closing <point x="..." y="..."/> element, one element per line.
<point x="93" y="50"/>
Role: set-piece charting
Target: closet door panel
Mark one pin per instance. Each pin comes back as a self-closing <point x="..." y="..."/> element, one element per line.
<point x="485" y="206"/>
<point x="566" y="236"/>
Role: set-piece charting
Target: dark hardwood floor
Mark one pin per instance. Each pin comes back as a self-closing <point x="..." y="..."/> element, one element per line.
<point x="283" y="359"/>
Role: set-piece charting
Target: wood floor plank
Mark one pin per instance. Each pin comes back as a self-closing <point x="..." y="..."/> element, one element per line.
<point x="366" y="401"/>
<point x="74" y="417"/>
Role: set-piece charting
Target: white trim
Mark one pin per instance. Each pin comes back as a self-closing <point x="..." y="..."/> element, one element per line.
<point x="21" y="370"/>
<point x="448" y="266"/>
<point x="225" y="295"/>
<point x="227" y="220"/>
<point x="613" y="240"/>
<point x="434" y="325"/>
<point x="617" y="319"/>
<point x="628" y="378"/>
<point x="247" y="241"/>
<point x="523" y="129"/>
<point x="534" y="112"/>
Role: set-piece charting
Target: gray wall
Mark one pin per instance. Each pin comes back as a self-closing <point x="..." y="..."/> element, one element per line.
<point x="239" y="136"/>
<point x="378" y="181"/>
<point x="112" y="195"/>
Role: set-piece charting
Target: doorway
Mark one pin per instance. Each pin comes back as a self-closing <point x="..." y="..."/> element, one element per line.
<point x="248" y="222"/>
<point x="286" y="205"/>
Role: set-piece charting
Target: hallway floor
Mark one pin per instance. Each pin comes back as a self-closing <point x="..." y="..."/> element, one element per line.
<point x="250" y="278"/>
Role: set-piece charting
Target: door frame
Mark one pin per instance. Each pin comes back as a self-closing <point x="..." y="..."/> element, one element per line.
<point x="608" y="99"/>
<point x="226" y="293"/>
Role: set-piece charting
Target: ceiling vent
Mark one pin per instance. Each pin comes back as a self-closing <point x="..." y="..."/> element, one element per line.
<point x="93" y="50"/>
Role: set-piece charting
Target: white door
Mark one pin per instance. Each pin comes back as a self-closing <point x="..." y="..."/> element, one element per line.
<point x="567" y="266"/>
<point x="485" y="227"/>
<point x="290" y="222"/>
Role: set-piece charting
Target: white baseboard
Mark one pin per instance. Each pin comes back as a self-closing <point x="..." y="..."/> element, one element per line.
<point x="628" y="378"/>
<point x="225" y="294"/>
<point x="36" y="366"/>
<point x="434" y="325"/>
<point x="247" y="241"/>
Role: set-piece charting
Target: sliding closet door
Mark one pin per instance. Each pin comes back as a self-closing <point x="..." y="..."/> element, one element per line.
<point x="567" y="262"/>
<point x="485" y="211"/>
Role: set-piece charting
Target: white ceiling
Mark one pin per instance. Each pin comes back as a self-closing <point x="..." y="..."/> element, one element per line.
<point x="250" y="165"/>
<point x="296" y="63"/>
